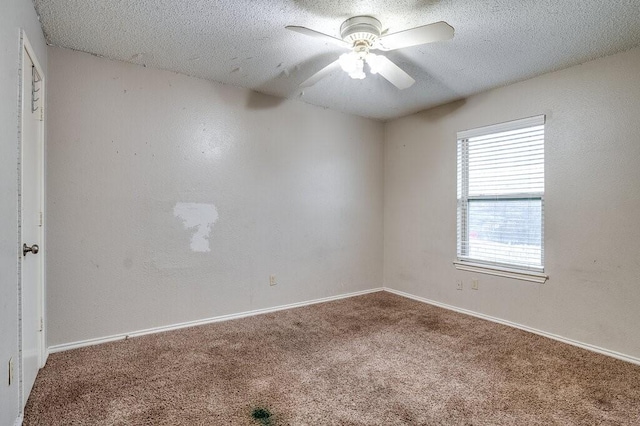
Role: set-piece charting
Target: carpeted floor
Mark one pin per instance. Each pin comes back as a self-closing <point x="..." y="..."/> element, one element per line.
<point x="377" y="359"/>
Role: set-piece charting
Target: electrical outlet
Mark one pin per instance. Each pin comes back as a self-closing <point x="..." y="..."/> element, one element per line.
<point x="272" y="280"/>
<point x="10" y="371"/>
<point x="474" y="284"/>
<point x="459" y="284"/>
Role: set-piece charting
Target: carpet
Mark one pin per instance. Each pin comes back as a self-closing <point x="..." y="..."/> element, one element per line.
<point x="377" y="359"/>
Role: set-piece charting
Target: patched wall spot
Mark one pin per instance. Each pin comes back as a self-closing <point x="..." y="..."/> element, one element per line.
<point x="199" y="218"/>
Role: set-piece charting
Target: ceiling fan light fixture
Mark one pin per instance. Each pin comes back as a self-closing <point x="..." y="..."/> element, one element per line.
<point x="347" y="62"/>
<point x="361" y="34"/>
<point x="353" y="64"/>
<point x="359" y="74"/>
<point x="373" y="62"/>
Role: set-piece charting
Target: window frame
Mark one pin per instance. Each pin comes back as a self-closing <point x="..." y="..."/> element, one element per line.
<point x="463" y="262"/>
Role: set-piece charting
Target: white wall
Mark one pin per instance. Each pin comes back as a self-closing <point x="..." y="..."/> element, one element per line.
<point x="592" y="204"/>
<point x="297" y="191"/>
<point x="15" y="15"/>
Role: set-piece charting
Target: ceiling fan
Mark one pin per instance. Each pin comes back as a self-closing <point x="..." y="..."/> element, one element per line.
<point x="362" y="34"/>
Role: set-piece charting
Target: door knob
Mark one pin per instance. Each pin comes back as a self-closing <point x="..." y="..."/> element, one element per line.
<point x="33" y="249"/>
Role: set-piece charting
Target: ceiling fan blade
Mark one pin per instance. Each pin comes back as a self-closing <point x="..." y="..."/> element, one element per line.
<point x="319" y="36"/>
<point x="393" y="73"/>
<point x="324" y="72"/>
<point x="438" y="31"/>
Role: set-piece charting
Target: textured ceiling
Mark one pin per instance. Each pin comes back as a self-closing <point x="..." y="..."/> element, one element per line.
<point x="244" y="43"/>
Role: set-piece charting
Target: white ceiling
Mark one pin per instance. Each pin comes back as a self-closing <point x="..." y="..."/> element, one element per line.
<point x="244" y="43"/>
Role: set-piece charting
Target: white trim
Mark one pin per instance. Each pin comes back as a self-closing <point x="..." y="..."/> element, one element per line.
<point x="28" y="49"/>
<point x="518" y="274"/>
<point x="522" y="123"/>
<point x="587" y="346"/>
<point x="121" y="336"/>
<point x="18" y="421"/>
<point x="43" y="246"/>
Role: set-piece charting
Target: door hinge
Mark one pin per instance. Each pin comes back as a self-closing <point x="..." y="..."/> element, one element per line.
<point x="41" y="113"/>
<point x="41" y="324"/>
<point x="41" y="219"/>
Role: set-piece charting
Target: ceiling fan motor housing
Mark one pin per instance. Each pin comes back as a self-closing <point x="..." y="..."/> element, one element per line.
<point x="361" y="29"/>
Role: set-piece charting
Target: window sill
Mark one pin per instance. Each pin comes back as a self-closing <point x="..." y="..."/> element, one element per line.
<point x="499" y="271"/>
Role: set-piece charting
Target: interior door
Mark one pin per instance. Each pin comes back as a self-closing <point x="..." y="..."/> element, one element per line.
<point x="32" y="169"/>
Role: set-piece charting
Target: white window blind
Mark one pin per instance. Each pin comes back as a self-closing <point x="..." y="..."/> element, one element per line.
<point x="501" y="194"/>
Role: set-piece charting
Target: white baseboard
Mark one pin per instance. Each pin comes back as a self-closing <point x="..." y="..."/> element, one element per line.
<point x="18" y="421"/>
<point x="572" y="342"/>
<point x="121" y="336"/>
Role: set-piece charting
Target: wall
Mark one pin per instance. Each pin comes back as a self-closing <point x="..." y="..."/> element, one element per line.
<point x="280" y="187"/>
<point x="592" y="200"/>
<point x="16" y="15"/>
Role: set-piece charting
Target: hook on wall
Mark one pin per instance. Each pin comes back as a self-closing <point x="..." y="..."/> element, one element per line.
<point x="35" y="78"/>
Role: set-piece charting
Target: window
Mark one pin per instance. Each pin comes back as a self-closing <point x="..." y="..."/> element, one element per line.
<point x="501" y="195"/>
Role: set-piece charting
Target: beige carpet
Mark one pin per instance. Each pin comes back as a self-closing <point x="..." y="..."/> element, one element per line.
<point x="377" y="359"/>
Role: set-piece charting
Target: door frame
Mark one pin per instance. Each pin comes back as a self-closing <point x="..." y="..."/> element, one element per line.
<point x="25" y="47"/>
